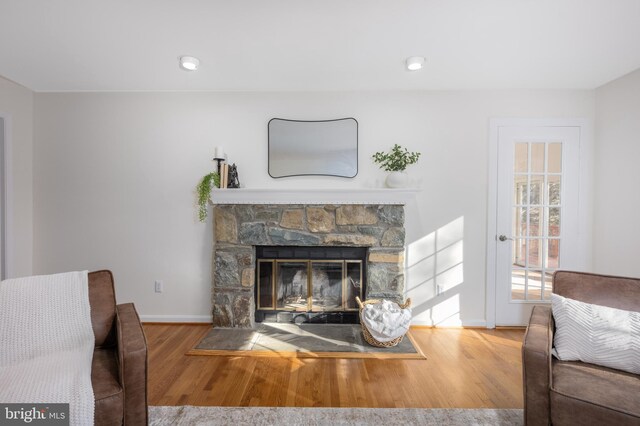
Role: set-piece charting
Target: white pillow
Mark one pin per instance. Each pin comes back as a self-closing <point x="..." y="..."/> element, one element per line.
<point x="596" y="334"/>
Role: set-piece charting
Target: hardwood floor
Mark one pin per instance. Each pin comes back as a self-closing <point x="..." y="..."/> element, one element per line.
<point x="465" y="368"/>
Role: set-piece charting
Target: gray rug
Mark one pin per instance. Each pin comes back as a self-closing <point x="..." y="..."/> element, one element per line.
<point x="316" y="339"/>
<point x="189" y="415"/>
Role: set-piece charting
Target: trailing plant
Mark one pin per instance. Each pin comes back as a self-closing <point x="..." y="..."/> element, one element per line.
<point x="396" y="160"/>
<point x="203" y="189"/>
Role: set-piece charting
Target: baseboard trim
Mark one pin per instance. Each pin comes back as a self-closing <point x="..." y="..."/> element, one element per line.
<point x="462" y="324"/>
<point x="176" y="318"/>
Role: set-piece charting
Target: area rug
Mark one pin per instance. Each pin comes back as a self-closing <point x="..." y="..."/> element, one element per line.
<point x="300" y="341"/>
<point x="190" y="415"/>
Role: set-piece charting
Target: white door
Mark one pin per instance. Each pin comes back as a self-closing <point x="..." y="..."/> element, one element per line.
<point x="538" y="174"/>
<point x="3" y="270"/>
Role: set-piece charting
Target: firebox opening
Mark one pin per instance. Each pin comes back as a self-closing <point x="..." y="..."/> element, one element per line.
<point x="309" y="284"/>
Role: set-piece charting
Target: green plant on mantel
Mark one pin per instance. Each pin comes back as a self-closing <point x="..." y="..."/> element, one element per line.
<point x="203" y="189"/>
<point x="395" y="160"/>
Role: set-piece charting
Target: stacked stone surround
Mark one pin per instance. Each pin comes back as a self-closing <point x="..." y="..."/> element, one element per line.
<point x="238" y="228"/>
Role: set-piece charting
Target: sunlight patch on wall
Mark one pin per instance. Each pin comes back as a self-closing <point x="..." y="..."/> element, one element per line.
<point x="447" y="312"/>
<point x="435" y="270"/>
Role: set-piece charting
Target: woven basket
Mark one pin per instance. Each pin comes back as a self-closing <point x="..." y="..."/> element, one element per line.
<point x="365" y="331"/>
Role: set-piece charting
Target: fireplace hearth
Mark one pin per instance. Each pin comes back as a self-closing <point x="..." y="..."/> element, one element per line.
<point x="328" y="254"/>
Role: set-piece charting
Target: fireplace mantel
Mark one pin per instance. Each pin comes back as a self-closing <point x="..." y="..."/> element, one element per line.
<point x="313" y="196"/>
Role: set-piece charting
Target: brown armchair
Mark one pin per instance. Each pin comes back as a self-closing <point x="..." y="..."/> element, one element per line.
<point x="119" y="369"/>
<point x="572" y="392"/>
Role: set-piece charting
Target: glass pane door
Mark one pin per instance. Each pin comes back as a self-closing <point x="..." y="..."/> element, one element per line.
<point x="537" y="224"/>
<point x="327" y="278"/>
<point x="537" y="216"/>
<point x="291" y="285"/>
<point x="353" y="284"/>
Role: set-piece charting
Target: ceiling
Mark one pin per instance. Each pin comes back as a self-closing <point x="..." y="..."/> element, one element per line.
<point x="78" y="45"/>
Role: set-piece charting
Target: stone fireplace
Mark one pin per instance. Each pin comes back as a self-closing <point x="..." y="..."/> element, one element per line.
<point x="242" y="230"/>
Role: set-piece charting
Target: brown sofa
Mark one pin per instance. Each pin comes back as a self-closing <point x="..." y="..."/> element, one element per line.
<point x="119" y="370"/>
<point x="571" y="392"/>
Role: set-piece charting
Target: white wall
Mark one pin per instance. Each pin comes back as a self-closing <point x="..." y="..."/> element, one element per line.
<point x="16" y="107"/>
<point x="115" y="175"/>
<point x="616" y="232"/>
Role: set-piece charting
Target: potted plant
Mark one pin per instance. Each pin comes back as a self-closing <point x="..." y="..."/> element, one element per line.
<point x="396" y="162"/>
<point x="203" y="189"/>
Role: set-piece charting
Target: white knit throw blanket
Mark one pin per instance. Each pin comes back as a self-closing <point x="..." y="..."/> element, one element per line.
<point x="386" y="321"/>
<point x="46" y="343"/>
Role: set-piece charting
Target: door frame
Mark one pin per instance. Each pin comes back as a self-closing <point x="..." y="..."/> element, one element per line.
<point x="585" y="182"/>
<point x="6" y="227"/>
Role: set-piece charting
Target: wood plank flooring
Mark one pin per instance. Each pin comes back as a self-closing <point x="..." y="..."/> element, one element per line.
<point x="465" y="368"/>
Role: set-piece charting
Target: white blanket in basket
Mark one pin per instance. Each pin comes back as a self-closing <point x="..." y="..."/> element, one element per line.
<point x="46" y="343"/>
<point x="386" y="320"/>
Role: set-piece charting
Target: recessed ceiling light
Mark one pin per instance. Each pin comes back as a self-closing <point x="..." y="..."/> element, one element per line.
<point x="415" y="63"/>
<point x="189" y="63"/>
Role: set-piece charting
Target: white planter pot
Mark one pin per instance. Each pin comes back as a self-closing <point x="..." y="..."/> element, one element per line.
<point x="397" y="180"/>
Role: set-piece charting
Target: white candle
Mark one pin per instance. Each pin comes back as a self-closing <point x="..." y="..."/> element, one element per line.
<point x="219" y="152"/>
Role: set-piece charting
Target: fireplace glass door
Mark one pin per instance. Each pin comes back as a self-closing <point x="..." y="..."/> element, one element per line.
<point x="291" y="286"/>
<point x="309" y="285"/>
<point x="326" y="284"/>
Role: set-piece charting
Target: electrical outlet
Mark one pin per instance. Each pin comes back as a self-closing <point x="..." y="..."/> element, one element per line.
<point x="159" y="286"/>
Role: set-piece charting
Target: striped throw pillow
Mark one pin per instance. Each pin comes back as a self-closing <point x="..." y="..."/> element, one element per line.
<point x="596" y="334"/>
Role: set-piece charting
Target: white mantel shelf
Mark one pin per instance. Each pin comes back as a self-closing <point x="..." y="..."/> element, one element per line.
<point x="313" y="196"/>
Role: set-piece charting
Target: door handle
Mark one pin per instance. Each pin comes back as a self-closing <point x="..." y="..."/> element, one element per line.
<point x="504" y="238"/>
